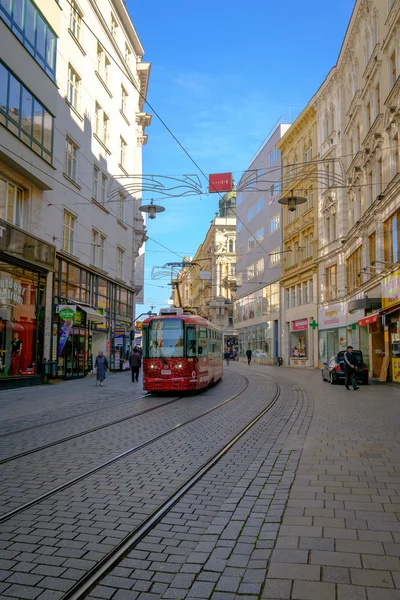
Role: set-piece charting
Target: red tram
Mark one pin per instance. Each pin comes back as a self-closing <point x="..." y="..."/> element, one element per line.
<point x="180" y="352"/>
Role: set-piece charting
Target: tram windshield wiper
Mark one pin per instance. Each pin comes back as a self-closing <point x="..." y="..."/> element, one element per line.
<point x="162" y="356"/>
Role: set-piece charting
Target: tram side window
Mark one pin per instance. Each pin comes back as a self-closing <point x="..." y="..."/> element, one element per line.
<point x="203" y="350"/>
<point x="191" y="342"/>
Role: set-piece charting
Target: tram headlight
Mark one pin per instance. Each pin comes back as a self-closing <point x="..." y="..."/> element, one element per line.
<point x="152" y="366"/>
<point x="179" y="366"/>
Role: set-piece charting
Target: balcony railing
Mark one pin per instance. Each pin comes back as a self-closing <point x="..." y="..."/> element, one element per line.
<point x="374" y="131"/>
<point x="372" y="64"/>
<point x="392" y="99"/>
<point x="353" y="103"/>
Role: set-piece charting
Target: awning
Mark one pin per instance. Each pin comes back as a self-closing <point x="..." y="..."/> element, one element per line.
<point x="368" y="320"/>
<point x="93" y="315"/>
<point x="390" y="309"/>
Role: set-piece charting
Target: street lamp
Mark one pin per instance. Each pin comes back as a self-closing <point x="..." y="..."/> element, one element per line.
<point x="292" y="201"/>
<point x="152" y="209"/>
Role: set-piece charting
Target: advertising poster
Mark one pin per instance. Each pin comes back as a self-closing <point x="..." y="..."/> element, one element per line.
<point x="66" y="315"/>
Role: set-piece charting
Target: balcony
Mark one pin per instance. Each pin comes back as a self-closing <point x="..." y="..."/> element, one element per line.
<point x="372" y="66"/>
<point x="354" y="104"/>
<point x="392" y="99"/>
<point x="375" y="132"/>
<point x="355" y="163"/>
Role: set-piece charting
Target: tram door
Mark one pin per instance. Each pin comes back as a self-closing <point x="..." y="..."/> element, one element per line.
<point x="75" y="353"/>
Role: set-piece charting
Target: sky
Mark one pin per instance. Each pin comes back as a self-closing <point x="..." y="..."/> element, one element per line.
<point x="223" y="73"/>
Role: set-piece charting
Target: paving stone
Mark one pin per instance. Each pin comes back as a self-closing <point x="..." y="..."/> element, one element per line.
<point x="310" y="590"/>
<point x="294" y="571"/>
<point x="351" y="592"/>
<point x="276" y="589"/>
<point x="370" y="577"/>
<point x="336" y="574"/>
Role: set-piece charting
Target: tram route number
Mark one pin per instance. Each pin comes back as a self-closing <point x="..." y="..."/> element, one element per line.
<point x="166" y="372"/>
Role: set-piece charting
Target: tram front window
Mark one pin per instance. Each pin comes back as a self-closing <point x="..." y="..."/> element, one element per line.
<point x="166" y="338"/>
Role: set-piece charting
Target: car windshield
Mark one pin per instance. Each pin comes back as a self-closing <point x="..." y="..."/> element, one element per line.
<point x="166" y="338"/>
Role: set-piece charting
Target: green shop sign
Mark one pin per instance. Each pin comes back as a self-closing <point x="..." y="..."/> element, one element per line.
<point x="67" y="313"/>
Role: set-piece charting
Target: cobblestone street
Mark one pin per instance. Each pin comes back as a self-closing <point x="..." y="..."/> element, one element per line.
<point x="304" y="506"/>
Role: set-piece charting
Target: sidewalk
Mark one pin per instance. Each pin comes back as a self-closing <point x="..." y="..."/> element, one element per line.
<point x="340" y="535"/>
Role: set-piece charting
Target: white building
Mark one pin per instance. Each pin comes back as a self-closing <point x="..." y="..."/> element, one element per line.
<point x="259" y="251"/>
<point x="80" y="182"/>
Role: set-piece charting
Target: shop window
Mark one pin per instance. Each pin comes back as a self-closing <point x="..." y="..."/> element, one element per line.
<point x="353" y="270"/>
<point x="391" y="238"/>
<point x="298" y="344"/>
<point x="331" y="282"/>
<point x="24" y="115"/>
<point x="21" y="344"/>
<point x="69" y="232"/>
<point x="12" y="203"/>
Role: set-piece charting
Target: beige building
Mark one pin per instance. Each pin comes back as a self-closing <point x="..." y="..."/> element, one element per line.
<point x="208" y="286"/>
<point x="299" y="281"/>
<point x="358" y="262"/>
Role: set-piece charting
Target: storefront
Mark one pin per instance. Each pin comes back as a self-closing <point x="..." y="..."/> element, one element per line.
<point x="103" y="311"/>
<point x="256" y="318"/>
<point x="25" y="266"/>
<point x="299" y="340"/>
<point x="390" y="315"/>
<point x="337" y="329"/>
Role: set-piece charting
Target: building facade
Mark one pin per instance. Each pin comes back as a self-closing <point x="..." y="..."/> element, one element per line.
<point x="259" y="251"/>
<point x="299" y="279"/>
<point x="208" y="286"/>
<point x="358" y="263"/>
<point x="68" y="71"/>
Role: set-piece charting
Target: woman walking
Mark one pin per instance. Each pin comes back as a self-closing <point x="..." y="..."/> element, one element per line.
<point x="101" y="365"/>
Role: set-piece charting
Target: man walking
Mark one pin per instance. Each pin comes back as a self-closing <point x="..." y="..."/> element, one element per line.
<point x="248" y="354"/>
<point x="350" y="368"/>
<point x="101" y="364"/>
<point x="135" y="361"/>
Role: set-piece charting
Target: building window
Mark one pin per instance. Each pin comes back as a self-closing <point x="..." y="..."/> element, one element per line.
<point x="392" y="69"/>
<point x="260" y="234"/>
<point x="95" y="187"/>
<point x="292" y="297"/>
<point x="353" y="269"/>
<point x="368" y="114"/>
<point x="378" y="99"/>
<point x="239" y="226"/>
<point x="259" y="205"/>
<point x="124" y="98"/>
<point x="100" y="124"/>
<point x="33" y="31"/>
<point x="310" y="291"/>
<point x="103" y="193"/>
<point x="122" y="152"/>
<point x="391" y="238"/>
<point x="260" y="266"/>
<point x="274" y="156"/>
<point x="11" y="203"/>
<point x="370" y="189"/>
<point x="75" y="21"/>
<point x="251" y="242"/>
<point x="334" y="229"/>
<point x="98" y="247"/>
<point x="120" y="263"/>
<point x="306" y="243"/>
<point x="305" y="292"/>
<point x="74" y="84"/>
<point x="71" y="154"/>
<point x="232" y="269"/>
<point x="121" y="208"/>
<point x="103" y="64"/>
<point x="128" y="54"/>
<point x="372" y="250"/>
<point x="250" y="272"/>
<point x="113" y="27"/>
<point x="331" y="282"/>
<point x="379" y="168"/>
<point x="25" y="116"/>
<point x="69" y="233"/>
<point x="250" y="214"/>
<point x="328" y="229"/>
<point x="231" y="245"/>
<point x="275" y="257"/>
<point x="298" y="294"/>
<point x="239" y="199"/>
<point x="394" y="155"/>
<point x="275" y="223"/>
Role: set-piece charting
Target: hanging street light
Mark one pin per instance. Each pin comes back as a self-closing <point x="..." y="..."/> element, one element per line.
<point x="292" y="201"/>
<point x="152" y="209"/>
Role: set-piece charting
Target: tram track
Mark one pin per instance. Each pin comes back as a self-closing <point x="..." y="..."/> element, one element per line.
<point x="92" y="577"/>
<point x="68" y="484"/>
<point x="87" y="431"/>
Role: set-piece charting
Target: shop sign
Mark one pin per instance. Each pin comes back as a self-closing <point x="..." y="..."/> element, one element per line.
<point x="119" y="340"/>
<point x="66" y="314"/>
<point x="332" y="316"/>
<point x="11" y="291"/>
<point x="300" y="325"/>
<point x="368" y="320"/>
<point x="391" y="290"/>
<point x="220" y="182"/>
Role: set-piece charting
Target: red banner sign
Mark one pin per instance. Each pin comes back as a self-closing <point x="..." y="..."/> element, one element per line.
<point x="300" y="325"/>
<point x="220" y="182"/>
<point x="368" y="320"/>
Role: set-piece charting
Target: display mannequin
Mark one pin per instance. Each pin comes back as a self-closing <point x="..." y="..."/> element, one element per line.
<point x="16" y="352"/>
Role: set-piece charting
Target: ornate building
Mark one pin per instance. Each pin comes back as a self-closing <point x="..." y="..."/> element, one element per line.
<point x="300" y="238"/>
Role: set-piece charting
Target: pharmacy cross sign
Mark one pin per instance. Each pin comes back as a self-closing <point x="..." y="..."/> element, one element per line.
<point x="313" y="324"/>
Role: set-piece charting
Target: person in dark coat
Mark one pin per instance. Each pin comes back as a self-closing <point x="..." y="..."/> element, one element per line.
<point x="135" y="361"/>
<point x="350" y="368"/>
<point x="101" y="364"/>
<point x="248" y="354"/>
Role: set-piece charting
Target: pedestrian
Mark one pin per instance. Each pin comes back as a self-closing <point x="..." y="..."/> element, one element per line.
<point x="350" y="368"/>
<point x="249" y="355"/>
<point x="135" y="361"/>
<point x="101" y="365"/>
<point x="226" y="356"/>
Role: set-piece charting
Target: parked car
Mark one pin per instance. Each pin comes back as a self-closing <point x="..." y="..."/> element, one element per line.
<point x="333" y="371"/>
